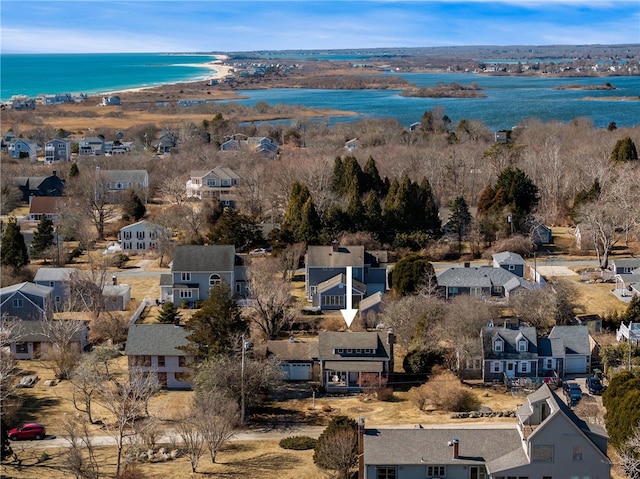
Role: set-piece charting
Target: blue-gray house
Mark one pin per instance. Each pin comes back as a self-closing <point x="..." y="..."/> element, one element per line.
<point x="195" y="269"/>
<point x="326" y="268"/>
<point x="512" y="262"/>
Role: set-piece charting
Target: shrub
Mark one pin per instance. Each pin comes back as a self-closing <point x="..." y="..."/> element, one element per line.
<point x="119" y="260"/>
<point x="419" y="397"/>
<point x="448" y="395"/>
<point x="385" y="394"/>
<point x="298" y="443"/>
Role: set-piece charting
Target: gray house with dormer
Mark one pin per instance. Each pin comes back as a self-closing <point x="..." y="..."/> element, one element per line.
<point x="547" y="441"/>
<point x="326" y="268"/>
<point x="195" y="269"/>
<point x="60" y="279"/>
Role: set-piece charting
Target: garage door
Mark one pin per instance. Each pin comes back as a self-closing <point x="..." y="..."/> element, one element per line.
<point x="575" y="365"/>
<point x="297" y="372"/>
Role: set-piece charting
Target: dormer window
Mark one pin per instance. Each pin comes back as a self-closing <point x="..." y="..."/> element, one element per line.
<point x="498" y="345"/>
<point x="522" y="345"/>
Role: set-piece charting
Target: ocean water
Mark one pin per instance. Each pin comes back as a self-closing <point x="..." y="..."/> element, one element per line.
<point x="509" y="99"/>
<point x="36" y="74"/>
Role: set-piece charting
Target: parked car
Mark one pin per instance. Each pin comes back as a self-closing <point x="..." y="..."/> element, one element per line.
<point x="594" y="385"/>
<point x="28" y="431"/>
<point x="572" y="391"/>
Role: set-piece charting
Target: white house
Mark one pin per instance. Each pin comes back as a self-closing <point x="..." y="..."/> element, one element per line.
<point x="141" y="237"/>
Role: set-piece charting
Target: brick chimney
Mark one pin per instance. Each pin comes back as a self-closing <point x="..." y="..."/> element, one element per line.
<point x="456" y="447"/>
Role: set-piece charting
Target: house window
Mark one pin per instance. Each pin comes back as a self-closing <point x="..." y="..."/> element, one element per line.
<point x="541" y="453"/>
<point x="126" y="235"/>
<point x="140" y="245"/>
<point x="214" y="280"/>
<point x="549" y="363"/>
<point x="477" y="472"/>
<point x="435" y="471"/>
<point x="161" y="362"/>
<point x="497" y="290"/>
<point x="512" y="267"/>
<point x="523" y="367"/>
<point x="211" y="182"/>
<point x="498" y="346"/>
<point x="119" y="186"/>
<point x="182" y="361"/>
<point x="496" y="367"/>
<point x="140" y="235"/>
<point x="186" y="276"/>
<point x="577" y="453"/>
<point x="238" y="288"/>
<point x="522" y="345"/>
<point x="126" y="245"/>
<point x="58" y="299"/>
<point x="18" y="303"/>
<point x="225" y="183"/>
<point x="153" y="235"/>
<point x="185" y="293"/>
<point x="386" y="472"/>
<point x="22" y="348"/>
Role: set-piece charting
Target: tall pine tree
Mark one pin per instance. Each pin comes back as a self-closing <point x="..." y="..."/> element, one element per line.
<point x="14" y="250"/>
<point x="133" y="208"/>
<point x="293" y="214"/>
<point x="43" y="237"/>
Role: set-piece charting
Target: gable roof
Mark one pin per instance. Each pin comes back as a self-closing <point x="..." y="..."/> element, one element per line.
<point x="430" y="445"/>
<point x="134" y="176"/>
<point x="341" y="279"/>
<point x="287" y="350"/>
<point x="207" y="258"/>
<point x="328" y="341"/>
<point x="575" y="338"/>
<point x="507" y="257"/>
<point x="54" y="274"/>
<point x="480" y="277"/>
<point x="147" y="225"/>
<point x="155" y="340"/>
<point x="510" y="337"/>
<point x="45" y="204"/>
<point x="338" y="257"/>
<point x="27" y="288"/>
<point x="370" y="301"/>
<point x="626" y="262"/>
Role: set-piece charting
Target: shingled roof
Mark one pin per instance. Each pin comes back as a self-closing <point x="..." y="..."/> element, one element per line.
<point x="156" y="340"/>
<point x="207" y="258"/>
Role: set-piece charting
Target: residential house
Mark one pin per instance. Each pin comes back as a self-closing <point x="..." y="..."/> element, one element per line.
<point x="592" y="321"/>
<point x="509" y="353"/>
<point x="57" y="150"/>
<point x="196" y="269"/>
<point x="629" y="333"/>
<point x="346" y="358"/>
<point x="165" y="144"/>
<point x="512" y="262"/>
<point x="49" y="206"/>
<point x="503" y="136"/>
<point x="547" y="441"/>
<point x="577" y="348"/>
<point x="230" y="145"/>
<point x="326" y="267"/>
<point x="267" y="147"/>
<point x="35" y="341"/>
<point x="60" y="279"/>
<point x="22" y="102"/>
<point x="481" y="282"/>
<point x="352" y="145"/>
<point x="39" y="185"/>
<point x="298" y="358"/>
<point x="27" y="301"/>
<point x="369" y="309"/>
<point x="624" y="265"/>
<point x="23" y="148"/>
<point x="540" y="233"/>
<point x="415" y="126"/>
<point x="155" y="348"/>
<point x="91" y="146"/>
<point x="141" y="237"/>
<point x="628" y="284"/>
<point x="122" y="180"/>
<point x="221" y="183"/>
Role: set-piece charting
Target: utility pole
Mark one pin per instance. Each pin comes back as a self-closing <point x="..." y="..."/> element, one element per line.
<point x="242" y="406"/>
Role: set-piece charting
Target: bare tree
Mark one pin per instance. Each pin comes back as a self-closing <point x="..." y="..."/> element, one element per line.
<point x="95" y="199"/>
<point x="126" y="401"/>
<point x="10" y="332"/>
<point x="290" y="259"/>
<point x="173" y="188"/>
<point x="271" y="298"/>
<point x="217" y="416"/>
<point x="80" y="457"/>
<point x="415" y="321"/>
<point x="602" y="221"/>
<point x="110" y="326"/>
<point x="87" y="379"/>
<point x="64" y="336"/>
<point x="193" y="442"/>
<point x="630" y="455"/>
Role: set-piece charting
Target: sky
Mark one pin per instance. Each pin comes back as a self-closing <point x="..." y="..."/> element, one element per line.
<point x="92" y="26"/>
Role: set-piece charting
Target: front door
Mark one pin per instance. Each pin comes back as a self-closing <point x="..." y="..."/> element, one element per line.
<point x="477" y="472"/>
<point x="511" y="369"/>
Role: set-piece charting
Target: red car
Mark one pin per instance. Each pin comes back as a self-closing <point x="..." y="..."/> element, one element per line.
<point x="28" y="431"/>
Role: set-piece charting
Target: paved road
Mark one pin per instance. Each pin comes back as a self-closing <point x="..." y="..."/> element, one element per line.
<point x="53" y="442"/>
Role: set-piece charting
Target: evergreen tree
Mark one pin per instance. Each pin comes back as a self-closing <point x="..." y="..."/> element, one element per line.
<point x="355" y="213"/>
<point x="372" y="213"/>
<point x="169" y="313"/>
<point x="43" y="237"/>
<point x="585" y="196"/>
<point x="624" y="150"/>
<point x="309" y="227"/>
<point x="73" y="170"/>
<point x="337" y="446"/>
<point x="460" y="219"/>
<point x="133" y="208"/>
<point x="216" y="327"/>
<point x="293" y="214"/>
<point x="632" y="313"/>
<point x="430" y="222"/>
<point x="236" y="229"/>
<point x="336" y="178"/>
<point x="13" y="251"/>
<point x="410" y="273"/>
<point x="371" y="178"/>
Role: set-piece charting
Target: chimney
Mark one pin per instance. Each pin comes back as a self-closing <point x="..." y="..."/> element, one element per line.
<point x="456" y="447"/>
<point x="360" y="448"/>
